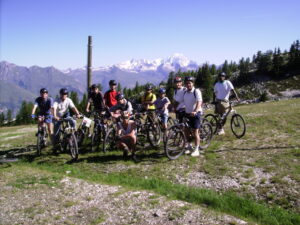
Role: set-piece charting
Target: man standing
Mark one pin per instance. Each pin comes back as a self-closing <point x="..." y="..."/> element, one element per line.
<point x="193" y="100"/>
<point x="110" y="95"/>
<point x="96" y="97"/>
<point x="222" y="91"/>
<point x="178" y="98"/>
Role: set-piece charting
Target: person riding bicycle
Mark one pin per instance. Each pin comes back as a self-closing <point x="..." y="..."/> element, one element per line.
<point x="96" y="97"/>
<point x="61" y="110"/>
<point x="123" y="105"/>
<point x="222" y="91"/>
<point x="45" y="104"/>
<point x="192" y="99"/>
<point x="126" y="134"/>
<point x="178" y="98"/>
<point x="110" y="95"/>
<point x="161" y="105"/>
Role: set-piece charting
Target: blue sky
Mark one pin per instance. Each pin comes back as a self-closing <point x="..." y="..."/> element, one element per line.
<point x="55" y="32"/>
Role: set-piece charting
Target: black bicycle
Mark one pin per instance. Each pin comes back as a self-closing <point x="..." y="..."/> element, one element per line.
<point x="176" y="139"/>
<point x="148" y="129"/>
<point x="237" y="122"/>
<point x="67" y="140"/>
<point x="41" y="141"/>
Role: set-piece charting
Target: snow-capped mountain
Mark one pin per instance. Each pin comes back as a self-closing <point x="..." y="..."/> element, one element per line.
<point x="140" y="70"/>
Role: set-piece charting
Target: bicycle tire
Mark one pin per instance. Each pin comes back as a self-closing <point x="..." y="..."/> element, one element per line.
<point x="109" y="140"/>
<point x="39" y="144"/>
<point x="96" y="140"/>
<point x="175" y="143"/>
<point x="72" y="146"/>
<point x="206" y="134"/>
<point x="212" y="119"/>
<point x="238" y="125"/>
<point x="80" y="136"/>
<point x="154" y="134"/>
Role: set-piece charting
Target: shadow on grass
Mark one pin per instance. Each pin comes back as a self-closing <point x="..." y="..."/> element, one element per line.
<point x="255" y="148"/>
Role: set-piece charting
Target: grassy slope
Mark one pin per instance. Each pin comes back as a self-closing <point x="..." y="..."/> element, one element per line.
<point x="271" y="146"/>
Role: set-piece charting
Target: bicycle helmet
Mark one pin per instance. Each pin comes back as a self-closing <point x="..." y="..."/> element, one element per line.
<point x="149" y="87"/>
<point x="43" y="90"/>
<point x="222" y="74"/>
<point x="187" y="79"/>
<point x="120" y="96"/>
<point x="94" y="86"/>
<point x="177" y="79"/>
<point x="112" y="82"/>
<point x="162" y="91"/>
<point x="64" y="91"/>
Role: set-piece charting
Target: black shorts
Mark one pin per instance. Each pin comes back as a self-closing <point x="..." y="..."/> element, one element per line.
<point x="194" y="121"/>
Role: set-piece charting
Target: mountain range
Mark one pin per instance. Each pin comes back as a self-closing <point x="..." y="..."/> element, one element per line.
<point x="18" y="83"/>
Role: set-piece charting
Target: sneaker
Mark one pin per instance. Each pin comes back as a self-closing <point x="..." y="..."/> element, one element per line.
<point x="221" y="132"/>
<point x="195" y="153"/>
<point x="188" y="149"/>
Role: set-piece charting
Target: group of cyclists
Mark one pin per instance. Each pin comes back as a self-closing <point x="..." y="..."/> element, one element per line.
<point x="187" y="102"/>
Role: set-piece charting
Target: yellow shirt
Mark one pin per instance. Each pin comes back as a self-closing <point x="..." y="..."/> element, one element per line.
<point x="149" y="97"/>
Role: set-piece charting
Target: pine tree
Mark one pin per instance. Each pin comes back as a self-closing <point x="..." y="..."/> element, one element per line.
<point x="207" y="83"/>
<point x="119" y="87"/>
<point x="2" y="118"/>
<point x="9" y="116"/>
<point x="74" y="96"/>
<point x="83" y="103"/>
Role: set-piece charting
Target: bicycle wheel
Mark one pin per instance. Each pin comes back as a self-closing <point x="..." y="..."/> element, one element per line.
<point x="80" y="136"/>
<point x="212" y="119"/>
<point x="39" y="144"/>
<point x="109" y="140"/>
<point x="154" y="134"/>
<point x="238" y="125"/>
<point x="175" y="143"/>
<point x="206" y="134"/>
<point x="95" y="140"/>
<point x="72" y="146"/>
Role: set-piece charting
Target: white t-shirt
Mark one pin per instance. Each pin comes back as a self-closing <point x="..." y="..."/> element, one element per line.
<point x="62" y="107"/>
<point x="222" y="90"/>
<point x="178" y="97"/>
<point x="190" y="99"/>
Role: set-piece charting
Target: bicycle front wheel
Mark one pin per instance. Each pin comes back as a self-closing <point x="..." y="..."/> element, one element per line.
<point x="95" y="140"/>
<point x="39" y="144"/>
<point x="72" y="146"/>
<point x="109" y="140"/>
<point x="206" y="134"/>
<point x="175" y="143"/>
<point x="212" y="119"/>
<point x="154" y="134"/>
<point x="238" y="125"/>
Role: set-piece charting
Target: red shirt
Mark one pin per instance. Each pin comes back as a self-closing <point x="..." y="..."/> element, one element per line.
<point x="110" y="98"/>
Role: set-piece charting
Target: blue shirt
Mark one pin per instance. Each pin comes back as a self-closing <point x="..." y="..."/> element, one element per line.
<point x="44" y="105"/>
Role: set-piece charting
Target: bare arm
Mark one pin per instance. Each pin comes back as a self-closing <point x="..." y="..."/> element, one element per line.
<point x="34" y="109"/>
<point x="235" y="95"/>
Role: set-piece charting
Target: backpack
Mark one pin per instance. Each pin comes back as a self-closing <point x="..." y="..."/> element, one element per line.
<point x="193" y="92"/>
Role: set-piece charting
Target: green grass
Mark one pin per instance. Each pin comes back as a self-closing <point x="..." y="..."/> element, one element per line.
<point x="271" y="145"/>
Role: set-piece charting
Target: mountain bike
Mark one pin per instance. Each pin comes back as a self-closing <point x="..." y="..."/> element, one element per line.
<point x="67" y="140"/>
<point x="237" y="122"/>
<point x="100" y="129"/>
<point x="176" y="139"/>
<point x="148" y="130"/>
<point x="41" y="135"/>
<point x="83" y="130"/>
